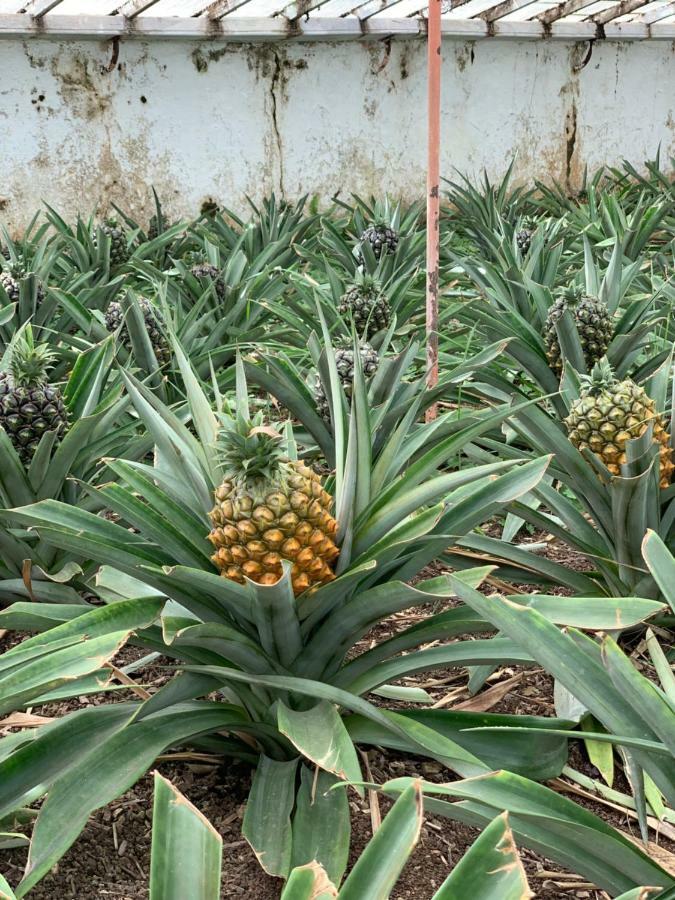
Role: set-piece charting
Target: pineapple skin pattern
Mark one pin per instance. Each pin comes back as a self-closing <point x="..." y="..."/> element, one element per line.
<point x="594" y="324"/>
<point x="259" y="523"/>
<point x="605" y="421"/>
<point x="114" y="318"/>
<point x="27" y="412"/>
<point x="344" y="362"/>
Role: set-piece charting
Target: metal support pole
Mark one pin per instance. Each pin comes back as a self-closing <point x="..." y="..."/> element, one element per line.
<point x="433" y="190"/>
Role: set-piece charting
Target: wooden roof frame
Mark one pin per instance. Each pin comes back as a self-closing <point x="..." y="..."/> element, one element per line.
<point x="347" y="20"/>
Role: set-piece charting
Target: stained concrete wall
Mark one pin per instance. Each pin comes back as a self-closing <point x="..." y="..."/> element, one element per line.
<point x="80" y="128"/>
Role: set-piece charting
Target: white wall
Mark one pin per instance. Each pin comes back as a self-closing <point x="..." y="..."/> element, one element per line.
<point x="221" y="120"/>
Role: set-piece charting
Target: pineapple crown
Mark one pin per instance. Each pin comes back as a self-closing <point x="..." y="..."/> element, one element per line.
<point x="602" y="378"/>
<point x="572" y="294"/>
<point x="29" y="362"/>
<point x="366" y="283"/>
<point x="383" y="213"/>
<point x="14" y="267"/>
<point x="249" y="449"/>
<point x="344" y="347"/>
<point x="379" y="223"/>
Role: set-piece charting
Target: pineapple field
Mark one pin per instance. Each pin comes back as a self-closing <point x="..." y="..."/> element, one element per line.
<point x="283" y="617"/>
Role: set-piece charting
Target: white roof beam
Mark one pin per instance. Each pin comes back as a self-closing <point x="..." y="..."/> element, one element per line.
<point x="656" y="13"/>
<point x="39" y="8"/>
<point x="561" y="10"/>
<point x="301" y="8"/>
<point x="618" y="9"/>
<point x="503" y="9"/>
<point x="237" y="28"/>
<point x="373" y="7"/>
<point x="132" y="8"/>
<point x="220" y="8"/>
<point x="403" y="9"/>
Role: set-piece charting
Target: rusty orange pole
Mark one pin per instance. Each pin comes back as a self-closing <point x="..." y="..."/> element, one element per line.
<point x="433" y="190"/>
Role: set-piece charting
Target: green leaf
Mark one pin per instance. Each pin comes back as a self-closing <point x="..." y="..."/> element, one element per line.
<point x="575" y="660"/>
<point x="640" y="692"/>
<point x="267" y="820"/>
<point x="643" y="893"/>
<point x="490" y="870"/>
<point x="275" y="616"/>
<point x="661" y="565"/>
<point x="320" y="735"/>
<point x="129" y="615"/>
<point x="548" y="823"/>
<point x="6" y="893"/>
<point x="321" y="823"/>
<point x="600" y="754"/>
<point x="186" y="848"/>
<point x="308" y="882"/>
<point x="663" y="668"/>
<point x="591" y="613"/>
<point x="107" y="771"/>
<point x="421" y="737"/>
<point x="55" y="749"/>
<point x="24" y="616"/>
<point x="377" y="869"/>
<point x="60" y="667"/>
<point x="535" y="754"/>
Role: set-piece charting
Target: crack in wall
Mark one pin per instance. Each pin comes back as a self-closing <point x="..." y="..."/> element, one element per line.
<point x="570" y="143"/>
<point x="275" y="83"/>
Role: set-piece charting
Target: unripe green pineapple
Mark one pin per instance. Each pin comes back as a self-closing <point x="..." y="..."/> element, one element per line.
<point x="114" y="320"/>
<point x="119" y="250"/>
<point x="207" y="275"/>
<point x="593" y="321"/>
<point x="609" y="413"/>
<point x="269" y="509"/>
<point x="524" y="236"/>
<point x="381" y="237"/>
<point x="344" y="361"/>
<point x="11" y="286"/>
<point x="366" y="305"/>
<point x="29" y="405"/>
<point x="10" y="280"/>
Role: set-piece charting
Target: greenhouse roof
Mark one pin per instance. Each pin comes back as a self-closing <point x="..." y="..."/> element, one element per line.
<point x="247" y="20"/>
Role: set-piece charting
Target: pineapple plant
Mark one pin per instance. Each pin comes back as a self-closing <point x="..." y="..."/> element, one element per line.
<point x="119" y="251"/>
<point x="209" y="274"/>
<point x="344" y="361"/>
<point x="366" y="304"/>
<point x="609" y="413"/>
<point x="29" y="405"/>
<point x="114" y="320"/>
<point x="593" y="321"/>
<point x="269" y="508"/>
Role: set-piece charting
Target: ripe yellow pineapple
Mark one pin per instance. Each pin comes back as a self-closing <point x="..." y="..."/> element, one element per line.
<point x="270" y="508"/>
<point x="609" y="413"/>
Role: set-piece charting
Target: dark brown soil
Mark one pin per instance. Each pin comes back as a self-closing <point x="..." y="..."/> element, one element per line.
<point x="112" y="856"/>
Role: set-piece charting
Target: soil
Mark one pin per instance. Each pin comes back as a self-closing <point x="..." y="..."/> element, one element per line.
<point x="111" y="857"/>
